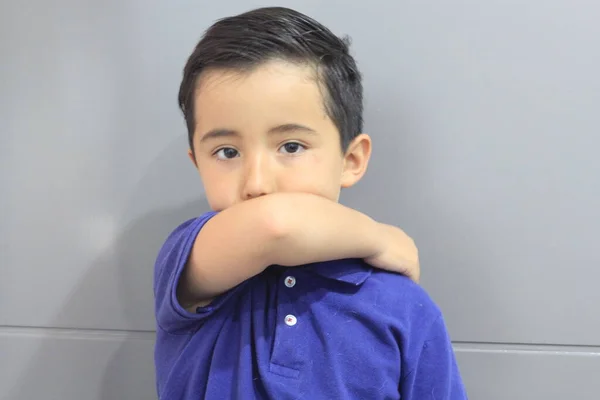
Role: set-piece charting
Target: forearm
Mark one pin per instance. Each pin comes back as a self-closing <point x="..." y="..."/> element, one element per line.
<point x="312" y="229"/>
<point x="287" y="229"/>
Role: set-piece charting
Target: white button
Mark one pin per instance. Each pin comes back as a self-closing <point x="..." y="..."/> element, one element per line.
<point x="290" y="320"/>
<point x="290" y="281"/>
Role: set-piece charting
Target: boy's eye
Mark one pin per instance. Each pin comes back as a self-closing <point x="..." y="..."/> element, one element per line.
<point x="227" y="153"/>
<point x="292" y="148"/>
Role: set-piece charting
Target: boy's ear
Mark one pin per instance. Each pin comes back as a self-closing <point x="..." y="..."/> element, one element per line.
<point x="191" y="156"/>
<point x="356" y="160"/>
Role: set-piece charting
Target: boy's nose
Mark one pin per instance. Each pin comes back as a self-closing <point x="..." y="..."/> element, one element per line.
<point x="258" y="179"/>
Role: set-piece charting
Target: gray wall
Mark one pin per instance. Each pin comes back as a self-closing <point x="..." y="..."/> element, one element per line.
<point x="484" y="116"/>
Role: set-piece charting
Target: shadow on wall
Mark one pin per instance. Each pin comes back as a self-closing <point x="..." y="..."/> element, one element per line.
<point x="119" y="364"/>
<point x="129" y="374"/>
<point x="99" y="345"/>
<point x="404" y="174"/>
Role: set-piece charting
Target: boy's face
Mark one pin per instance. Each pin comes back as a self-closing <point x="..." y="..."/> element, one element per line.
<point x="267" y="131"/>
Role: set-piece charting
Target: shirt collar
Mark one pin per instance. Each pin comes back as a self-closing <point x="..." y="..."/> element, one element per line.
<point x="352" y="271"/>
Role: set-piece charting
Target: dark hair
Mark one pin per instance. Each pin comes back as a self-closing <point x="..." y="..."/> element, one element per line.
<point x="247" y="40"/>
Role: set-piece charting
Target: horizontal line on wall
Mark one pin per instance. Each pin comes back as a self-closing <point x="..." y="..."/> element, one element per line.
<point x="77" y="333"/>
<point x="459" y="346"/>
<point x="542" y="348"/>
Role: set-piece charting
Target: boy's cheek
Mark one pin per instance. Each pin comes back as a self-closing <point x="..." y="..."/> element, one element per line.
<point x="219" y="196"/>
<point x="324" y="182"/>
<point x="218" y="204"/>
<point x="222" y="193"/>
<point x="329" y="192"/>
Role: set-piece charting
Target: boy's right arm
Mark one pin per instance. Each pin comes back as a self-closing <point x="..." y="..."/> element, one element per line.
<point x="286" y="229"/>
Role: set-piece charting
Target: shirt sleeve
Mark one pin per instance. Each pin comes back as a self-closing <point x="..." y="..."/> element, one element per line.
<point x="172" y="258"/>
<point x="435" y="373"/>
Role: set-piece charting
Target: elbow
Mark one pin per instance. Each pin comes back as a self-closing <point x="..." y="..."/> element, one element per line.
<point x="276" y="218"/>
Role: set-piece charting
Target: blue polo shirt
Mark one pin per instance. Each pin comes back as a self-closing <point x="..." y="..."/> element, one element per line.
<point x="331" y="330"/>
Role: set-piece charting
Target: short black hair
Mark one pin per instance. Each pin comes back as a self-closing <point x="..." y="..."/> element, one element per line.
<point x="247" y="40"/>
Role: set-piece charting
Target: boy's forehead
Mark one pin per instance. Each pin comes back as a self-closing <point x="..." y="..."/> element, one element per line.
<point x="276" y="89"/>
<point x="282" y="70"/>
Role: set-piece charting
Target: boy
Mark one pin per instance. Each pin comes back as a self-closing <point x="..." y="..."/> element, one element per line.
<point x="281" y="292"/>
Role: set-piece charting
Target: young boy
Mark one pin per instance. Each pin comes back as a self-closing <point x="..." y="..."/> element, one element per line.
<point x="281" y="292"/>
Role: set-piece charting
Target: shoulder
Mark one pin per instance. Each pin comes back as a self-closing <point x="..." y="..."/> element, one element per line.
<point x="396" y="288"/>
<point x="414" y="319"/>
<point x="178" y="243"/>
<point x="186" y="228"/>
<point x="170" y="262"/>
<point x="404" y="301"/>
<point x="191" y="227"/>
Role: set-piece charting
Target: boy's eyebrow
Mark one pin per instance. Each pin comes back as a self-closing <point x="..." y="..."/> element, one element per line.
<point x="218" y="133"/>
<point x="291" y="128"/>
<point x="285" y="128"/>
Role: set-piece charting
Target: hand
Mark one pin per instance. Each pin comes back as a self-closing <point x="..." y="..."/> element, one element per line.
<point x="398" y="253"/>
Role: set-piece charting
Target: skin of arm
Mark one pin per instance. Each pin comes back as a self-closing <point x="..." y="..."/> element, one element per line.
<point x="287" y="229"/>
